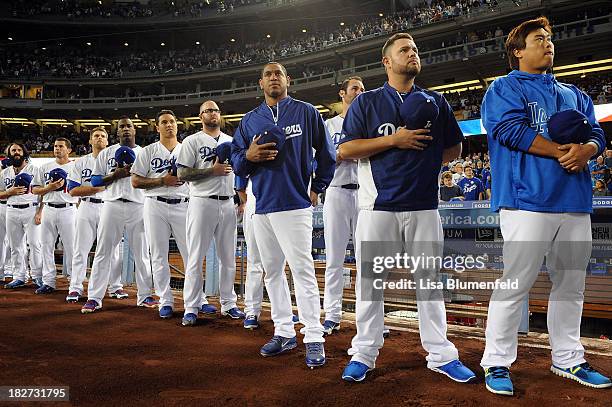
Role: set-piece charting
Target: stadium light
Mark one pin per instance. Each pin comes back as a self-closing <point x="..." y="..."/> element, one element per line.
<point x="233" y="40"/>
<point x="10" y="38"/>
<point x="163" y="44"/>
<point x="268" y="36"/>
<point x="126" y="44"/>
<point x="380" y="15"/>
<point x="89" y="44"/>
<point x="197" y="42"/>
<point x="342" y="23"/>
<point x="303" y="30"/>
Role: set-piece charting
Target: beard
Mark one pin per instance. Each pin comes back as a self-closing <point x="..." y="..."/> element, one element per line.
<point x="17" y="160"/>
<point x="413" y="70"/>
<point x="212" y="124"/>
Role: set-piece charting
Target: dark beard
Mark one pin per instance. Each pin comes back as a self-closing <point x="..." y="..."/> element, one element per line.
<point x="17" y="161"/>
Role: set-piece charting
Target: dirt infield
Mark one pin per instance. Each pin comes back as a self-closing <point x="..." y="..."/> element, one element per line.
<point x="125" y="356"/>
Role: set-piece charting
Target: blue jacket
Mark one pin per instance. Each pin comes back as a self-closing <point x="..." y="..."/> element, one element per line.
<point x="398" y="180"/>
<point x="514" y="110"/>
<point x="287" y="187"/>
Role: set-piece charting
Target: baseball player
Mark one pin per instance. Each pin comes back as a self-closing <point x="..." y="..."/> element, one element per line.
<point x="57" y="210"/>
<point x="165" y="208"/>
<point x="398" y="198"/>
<point x="88" y="219"/>
<point x="210" y="213"/>
<point x="285" y="193"/>
<point x="253" y="295"/>
<point x="340" y="211"/>
<point x="122" y="212"/>
<point x="529" y="159"/>
<point x="20" y="213"/>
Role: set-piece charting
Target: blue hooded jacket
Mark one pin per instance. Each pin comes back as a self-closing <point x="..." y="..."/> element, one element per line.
<point x="286" y="187"/>
<point x="514" y="110"/>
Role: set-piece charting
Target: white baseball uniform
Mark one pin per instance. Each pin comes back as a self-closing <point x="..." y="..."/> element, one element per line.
<point x="210" y="214"/>
<point x="87" y="221"/>
<point x="20" y="213"/>
<point x="165" y="214"/>
<point x="253" y="294"/>
<point x="122" y="212"/>
<point x="340" y="212"/>
<point x="58" y="215"/>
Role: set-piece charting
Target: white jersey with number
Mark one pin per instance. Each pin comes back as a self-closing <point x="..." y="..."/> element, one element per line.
<point x="154" y="161"/>
<point x="121" y="188"/>
<point x="8" y="180"/>
<point x="346" y="171"/>
<point x="42" y="179"/>
<point x="82" y="171"/>
<point x="200" y="151"/>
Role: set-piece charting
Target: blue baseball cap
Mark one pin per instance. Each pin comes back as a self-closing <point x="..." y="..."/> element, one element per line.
<point x="224" y="152"/>
<point x="125" y="156"/>
<point x="419" y="110"/>
<point x="569" y="126"/>
<point x="23" y="180"/>
<point x="274" y="134"/>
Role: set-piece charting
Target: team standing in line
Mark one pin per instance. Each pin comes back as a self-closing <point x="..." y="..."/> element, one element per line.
<point x="378" y="163"/>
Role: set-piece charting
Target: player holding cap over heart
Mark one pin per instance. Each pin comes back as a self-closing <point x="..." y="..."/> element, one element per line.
<point x="401" y="134"/>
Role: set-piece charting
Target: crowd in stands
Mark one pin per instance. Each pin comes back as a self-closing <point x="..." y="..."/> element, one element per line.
<point x="91" y="9"/>
<point x="600" y="168"/>
<point x="63" y="61"/>
<point x="466" y="179"/>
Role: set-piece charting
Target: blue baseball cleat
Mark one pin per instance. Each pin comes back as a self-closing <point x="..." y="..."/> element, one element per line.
<point x="315" y="354"/>
<point x="456" y="371"/>
<point x="208" y="309"/>
<point x="497" y="380"/>
<point x="584" y="374"/>
<point x="165" y="312"/>
<point x="355" y="371"/>
<point x="233" y="313"/>
<point x="278" y="345"/>
<point x="15" y="284"/>
<point x="330" y="326"/>
<point x="45" y="289"/>
<point x="251" y="322"/>
<point x="189" y="319"/>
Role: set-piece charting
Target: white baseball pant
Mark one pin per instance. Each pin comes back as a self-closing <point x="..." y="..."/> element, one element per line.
<point x="410" y="228"/>
<point x="207" y="219"/>
<point x="117" y="218"/>
<point x="340" y="213"/>
<point x="56" y="221"/>
<point x="87" y="221"/>
<point x="20" y="223"/>
<point x="5" y="251"/>
<point x="288" y="235"/>
<point x="253" y="294"/>
<point x="565" y="240"/>
<point x="160" y="221"/>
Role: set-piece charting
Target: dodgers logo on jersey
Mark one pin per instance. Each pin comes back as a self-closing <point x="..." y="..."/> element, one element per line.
<point x="336" y="137"/>
<point x="8" y="182"/>
<point x="159" y="165"/>
<point x="386" y="129"/>
<point x="293" y="130"/>
<point x="469" y="188"/>
<point x="538" y="117"/>
<point x="86" y="175"/>
<point x="207" y="153"/>
<point x="111" y="164"/>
